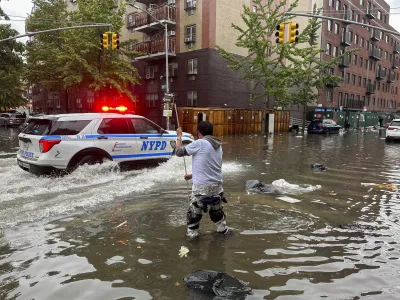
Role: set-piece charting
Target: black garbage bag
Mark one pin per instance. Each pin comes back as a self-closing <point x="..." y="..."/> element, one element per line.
<point x="218" y="284"/>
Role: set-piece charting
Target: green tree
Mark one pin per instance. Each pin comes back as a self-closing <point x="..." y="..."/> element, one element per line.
<point x="69" y="60"/>
<point x="310" y="73"/>
<point x="264" y="66"/>
<point x="11" y="65"/>
<point x="2" y="14"/>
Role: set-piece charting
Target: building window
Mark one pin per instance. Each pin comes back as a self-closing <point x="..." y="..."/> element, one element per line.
<point x="192" y="66"/>
<point x="367" y="45"/>
<point x="330" y="23"/>
<point x="346" y="99"/>
<point x="357" y="17"/>
<point x="379" y="15"/>
<point x="386" y="55"/>
<point x="335" y="51"/>
<point x="328" y="96"/>
<point x="384" y="19"/>
<point x="328" y="49"/>
<point x="353" y="15"/>
<point x="365" y="82"/>
<point x="330" y="3"/>
<point x="355" y="59"/>
<point x="378" y="86"/>
<point x="353" y="79"/>
<point x="359" y="81"/>
<point x="190" y="34"/>
<point x="192" y="98"/>
<point x="336" y="28"/>
<point x="350" y="35"/>
<point x="361" y="62"/>
<point x="348" y="78"/>
<point x="151" y="100"/>
<point x="150" y="70"/>
<point x="363" y="21"/>
<point x="90" y="101"/>
<point x="362" y="2"/>
<point x="363" y="100"/>
<point x="356" y="39"/>
<point x="337" y="4"/>
<point x="366" y="64"/>
<point x="362" y="42"/>
<point x="387" y="39"/>
<point x="342" y="74"/>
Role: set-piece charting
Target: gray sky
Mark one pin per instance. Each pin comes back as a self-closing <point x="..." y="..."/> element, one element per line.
<point x="15" y="9"/>
<point x="23" y="7"/>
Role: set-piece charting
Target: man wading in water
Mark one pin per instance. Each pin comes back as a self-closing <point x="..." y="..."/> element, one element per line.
<point x="207" y="188"/>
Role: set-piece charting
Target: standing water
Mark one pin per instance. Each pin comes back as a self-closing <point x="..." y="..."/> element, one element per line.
<point x="103" y="233"/>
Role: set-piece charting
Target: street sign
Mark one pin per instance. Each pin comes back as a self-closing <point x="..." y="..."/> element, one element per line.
<point x="167" y="112"/>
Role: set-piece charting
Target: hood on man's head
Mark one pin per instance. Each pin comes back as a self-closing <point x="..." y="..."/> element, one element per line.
<point x="215" y="142"/>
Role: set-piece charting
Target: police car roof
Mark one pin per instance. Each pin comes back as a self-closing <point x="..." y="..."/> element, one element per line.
<point x="88" y="115"/>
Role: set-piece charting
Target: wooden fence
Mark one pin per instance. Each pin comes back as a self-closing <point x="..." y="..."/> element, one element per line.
<point x="230" y="121"/>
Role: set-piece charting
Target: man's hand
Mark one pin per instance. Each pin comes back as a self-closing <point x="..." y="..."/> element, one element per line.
<point x="179" y="132"/>
<point x="187" y="177"/>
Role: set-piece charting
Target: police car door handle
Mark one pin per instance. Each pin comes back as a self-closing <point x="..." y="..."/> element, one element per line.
<point x="143" y="137"/>
<point x="102" y="137"/>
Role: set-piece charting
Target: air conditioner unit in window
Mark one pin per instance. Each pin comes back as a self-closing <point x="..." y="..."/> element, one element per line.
<point x="171" y="33"/>
<point x="171" y="2"/>
<point x="190" y="4"/>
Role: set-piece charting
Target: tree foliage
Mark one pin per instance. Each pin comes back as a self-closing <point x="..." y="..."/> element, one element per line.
<point x="3" y="14"/>
<point x="72" y="59"/>
<point x="292" y="72"/>
<point x="11" y="65"/>
<point x="311" y="74"/>
<point x="264" y="66"/>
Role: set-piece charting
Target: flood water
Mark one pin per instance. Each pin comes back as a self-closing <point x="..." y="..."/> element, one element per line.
<point x="59" y="237"/>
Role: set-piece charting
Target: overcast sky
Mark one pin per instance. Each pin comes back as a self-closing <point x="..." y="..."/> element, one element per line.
<point x="23" y="7"/>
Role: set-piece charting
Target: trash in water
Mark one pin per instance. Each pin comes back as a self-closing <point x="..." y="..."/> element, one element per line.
<point x="280" y="186"/>
<point x="139" y="247"/>
<point x="332" y="193"/>
<point x="387" y="186"/>
<point x="218" y="284"/>
<point x="183" y="251"/>
<point x="123" y="223"/>
<point x="318" y="167"/>
<point x="122" y="242"/>
<point x="289" y="199"/>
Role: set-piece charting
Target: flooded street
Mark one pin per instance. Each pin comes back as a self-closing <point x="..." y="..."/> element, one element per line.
<point x="59" y="237"/>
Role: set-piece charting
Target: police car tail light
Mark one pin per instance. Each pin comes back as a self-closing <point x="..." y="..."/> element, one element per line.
<point x="46" y="145"/>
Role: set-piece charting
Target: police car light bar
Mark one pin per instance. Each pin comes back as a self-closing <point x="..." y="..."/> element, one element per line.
<point x="121" y="109"/>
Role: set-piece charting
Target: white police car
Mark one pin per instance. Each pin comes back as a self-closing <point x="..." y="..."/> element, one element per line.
<point x="60" y="143"/>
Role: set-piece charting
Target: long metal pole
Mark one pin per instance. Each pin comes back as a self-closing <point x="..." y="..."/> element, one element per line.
<point x="57" y="29"/>
<point x="167" y="73"/>
<point x="341" y="20"/>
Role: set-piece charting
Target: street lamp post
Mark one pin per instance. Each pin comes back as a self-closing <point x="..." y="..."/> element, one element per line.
<point x="167" y="98"/>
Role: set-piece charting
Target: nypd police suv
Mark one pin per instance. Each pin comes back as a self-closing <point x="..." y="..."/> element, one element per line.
<point x="60" y="143"/>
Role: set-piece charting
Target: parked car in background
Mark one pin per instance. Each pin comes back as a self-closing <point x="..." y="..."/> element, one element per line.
<point x="393" y="130"/>
<point x="323" y="126"/>
<point x="11" y="119"/>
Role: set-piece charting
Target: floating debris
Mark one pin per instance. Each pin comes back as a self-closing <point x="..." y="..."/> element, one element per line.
<point x="122" y="242"/>
<point x="183" y="251"/>
<point x="123" y="223"/>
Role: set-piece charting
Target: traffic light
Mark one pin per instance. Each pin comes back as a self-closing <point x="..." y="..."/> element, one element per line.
<point x="293" y="32"/>
<point x="114" y="41"/>
<point x="104" y="41"/>
<point x="280" y="34"/>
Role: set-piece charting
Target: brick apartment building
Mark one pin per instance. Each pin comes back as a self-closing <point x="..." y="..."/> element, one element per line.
<point x="370" y="75"/>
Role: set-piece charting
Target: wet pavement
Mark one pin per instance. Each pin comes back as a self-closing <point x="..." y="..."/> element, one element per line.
<point x="60" y="237"/>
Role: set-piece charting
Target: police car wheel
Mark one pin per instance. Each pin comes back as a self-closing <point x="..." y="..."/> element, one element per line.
<point x="90" y="160"/>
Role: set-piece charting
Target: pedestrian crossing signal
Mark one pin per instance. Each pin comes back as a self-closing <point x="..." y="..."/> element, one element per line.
<point x="280" y="34"/>
<point x="293" y="32"/>
<point x="114" y="41"/>
<point x="104" y="41"/>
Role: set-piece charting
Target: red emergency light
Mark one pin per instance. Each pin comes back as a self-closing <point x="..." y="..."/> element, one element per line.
<point x="120" y="109"/>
